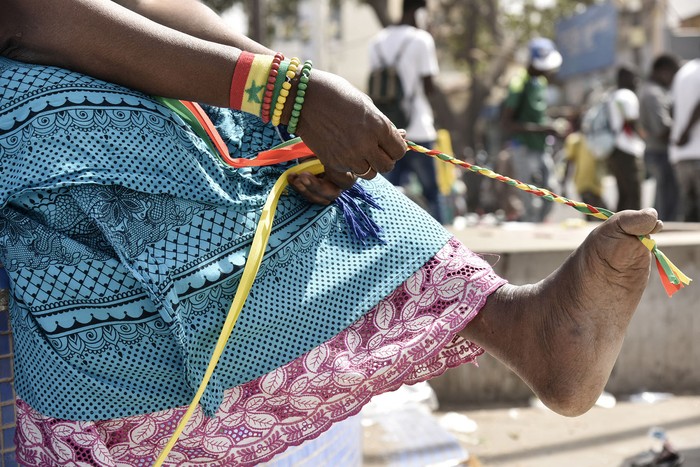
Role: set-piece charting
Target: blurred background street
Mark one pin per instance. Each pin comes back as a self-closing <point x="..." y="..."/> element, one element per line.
<point x="527" y="436"/>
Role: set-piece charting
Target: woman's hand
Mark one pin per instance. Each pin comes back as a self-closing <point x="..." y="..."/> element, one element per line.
<point x="316" y="188"/>
<point x="346" y="131"/>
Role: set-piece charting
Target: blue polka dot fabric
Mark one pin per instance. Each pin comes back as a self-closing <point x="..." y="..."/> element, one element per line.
<point x="124" y="239"/>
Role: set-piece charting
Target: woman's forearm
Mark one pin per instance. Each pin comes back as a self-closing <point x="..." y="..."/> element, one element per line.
<point x="196" y="19"/>
<point x="108" y="41"/>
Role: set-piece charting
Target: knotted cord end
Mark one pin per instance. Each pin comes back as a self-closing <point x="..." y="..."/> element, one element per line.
<point x="672" y="278"/>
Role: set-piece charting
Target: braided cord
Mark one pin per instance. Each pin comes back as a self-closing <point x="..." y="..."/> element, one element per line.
<point x="672" y="278"/>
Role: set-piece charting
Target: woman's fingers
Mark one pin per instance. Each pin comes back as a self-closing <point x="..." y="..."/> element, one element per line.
<point x="343" y="180"/>
<point x="315" y="189"/>
<point x="393" y="144"/>
<point x="376" y="162"/>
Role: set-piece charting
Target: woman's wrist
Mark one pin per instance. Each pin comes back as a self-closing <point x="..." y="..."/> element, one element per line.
<point x="270" y="87"/>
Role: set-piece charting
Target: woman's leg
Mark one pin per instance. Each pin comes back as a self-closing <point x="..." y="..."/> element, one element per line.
<point x="562" y="335"/>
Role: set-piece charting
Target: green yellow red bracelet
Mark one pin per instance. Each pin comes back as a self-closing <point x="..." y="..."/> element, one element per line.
<point x="284" y="92"/>
<point x="248" y="82"/>
<point x="255" y="84"/>
<point x="304" y="75"/>
<point x="239" y="78"/>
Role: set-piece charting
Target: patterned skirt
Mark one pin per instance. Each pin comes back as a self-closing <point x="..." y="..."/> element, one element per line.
<point x="124" y="238"/>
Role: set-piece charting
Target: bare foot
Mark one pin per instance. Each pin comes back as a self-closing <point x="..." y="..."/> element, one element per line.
<point x="563" y="334"/>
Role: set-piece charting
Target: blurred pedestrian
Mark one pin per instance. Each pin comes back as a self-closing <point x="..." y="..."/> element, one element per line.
<point x="685" y="138"/>
<point x="587" y="170"/>
<point x="626" y="163"/>
<point x="655" y="119"/>
<point x="524" y="120"/>
<point x="412" y="51"/>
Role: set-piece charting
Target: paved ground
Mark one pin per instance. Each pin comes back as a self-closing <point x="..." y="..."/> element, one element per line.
<point x="529" y="437"/>
<point x="535" y="437"/>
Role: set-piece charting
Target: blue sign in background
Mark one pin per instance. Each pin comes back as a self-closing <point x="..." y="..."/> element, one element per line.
<point x="588" y="41"/>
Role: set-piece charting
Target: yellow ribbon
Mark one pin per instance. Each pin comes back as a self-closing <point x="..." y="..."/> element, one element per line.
<point x="252" y="265"/>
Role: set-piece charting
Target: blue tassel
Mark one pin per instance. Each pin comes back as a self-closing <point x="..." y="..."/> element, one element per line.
<point x="360" y="224"/>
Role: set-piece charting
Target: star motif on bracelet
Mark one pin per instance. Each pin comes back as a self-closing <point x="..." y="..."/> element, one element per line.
<point x="253" y="92"/>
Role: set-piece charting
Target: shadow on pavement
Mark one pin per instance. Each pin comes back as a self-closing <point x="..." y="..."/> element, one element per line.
<point x="593" y="441"/>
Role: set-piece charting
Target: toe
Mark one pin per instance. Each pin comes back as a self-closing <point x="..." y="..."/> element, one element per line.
<point x="644" y="222"/>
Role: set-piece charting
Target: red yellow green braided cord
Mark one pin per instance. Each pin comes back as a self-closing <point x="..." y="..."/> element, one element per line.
<point x="672" y="278"/>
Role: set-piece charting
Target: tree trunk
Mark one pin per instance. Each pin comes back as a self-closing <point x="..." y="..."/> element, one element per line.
<point x="256" y="21"/>
<point x="381" y="9"/>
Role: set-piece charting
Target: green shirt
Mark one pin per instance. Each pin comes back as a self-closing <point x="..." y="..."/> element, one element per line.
<point x="526" y="96"/>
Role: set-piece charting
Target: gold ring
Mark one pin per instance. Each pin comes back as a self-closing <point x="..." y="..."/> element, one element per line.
<point x="364" y="173"/>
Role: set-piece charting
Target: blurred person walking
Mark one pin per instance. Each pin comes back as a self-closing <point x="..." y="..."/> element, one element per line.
<point x="524" y="119"/>
<point x="685" y="138"/>
<point x="655" y="119"/>
<point x="626" y="163"/>
<point x="587" y="170"/>
<point x="412" y="51"/>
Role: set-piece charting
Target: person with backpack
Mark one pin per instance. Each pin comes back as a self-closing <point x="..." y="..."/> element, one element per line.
<point x="626" y="163"/>
<point x="524" y="119"/>
<point x="403" y="60"/>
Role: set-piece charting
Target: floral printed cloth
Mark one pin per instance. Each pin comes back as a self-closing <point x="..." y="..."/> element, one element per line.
<point x="410" y="336"/>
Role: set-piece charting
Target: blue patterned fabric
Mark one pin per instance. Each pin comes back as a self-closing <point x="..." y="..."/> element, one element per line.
<point x="124" y="239"/>
<point x="7" y="394"/>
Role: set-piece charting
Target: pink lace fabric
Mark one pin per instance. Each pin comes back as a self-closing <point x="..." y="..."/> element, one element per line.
<point x="410" y="336"/>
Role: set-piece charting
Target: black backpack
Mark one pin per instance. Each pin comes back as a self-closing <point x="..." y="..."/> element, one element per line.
<point x="386" y="89"/>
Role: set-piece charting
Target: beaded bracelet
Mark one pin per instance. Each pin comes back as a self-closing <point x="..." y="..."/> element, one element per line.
<point x="281" y="74"/>
<point x="284" y="92"/>
<point x="270" y="87"/>
<point x="304" y="75"/>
